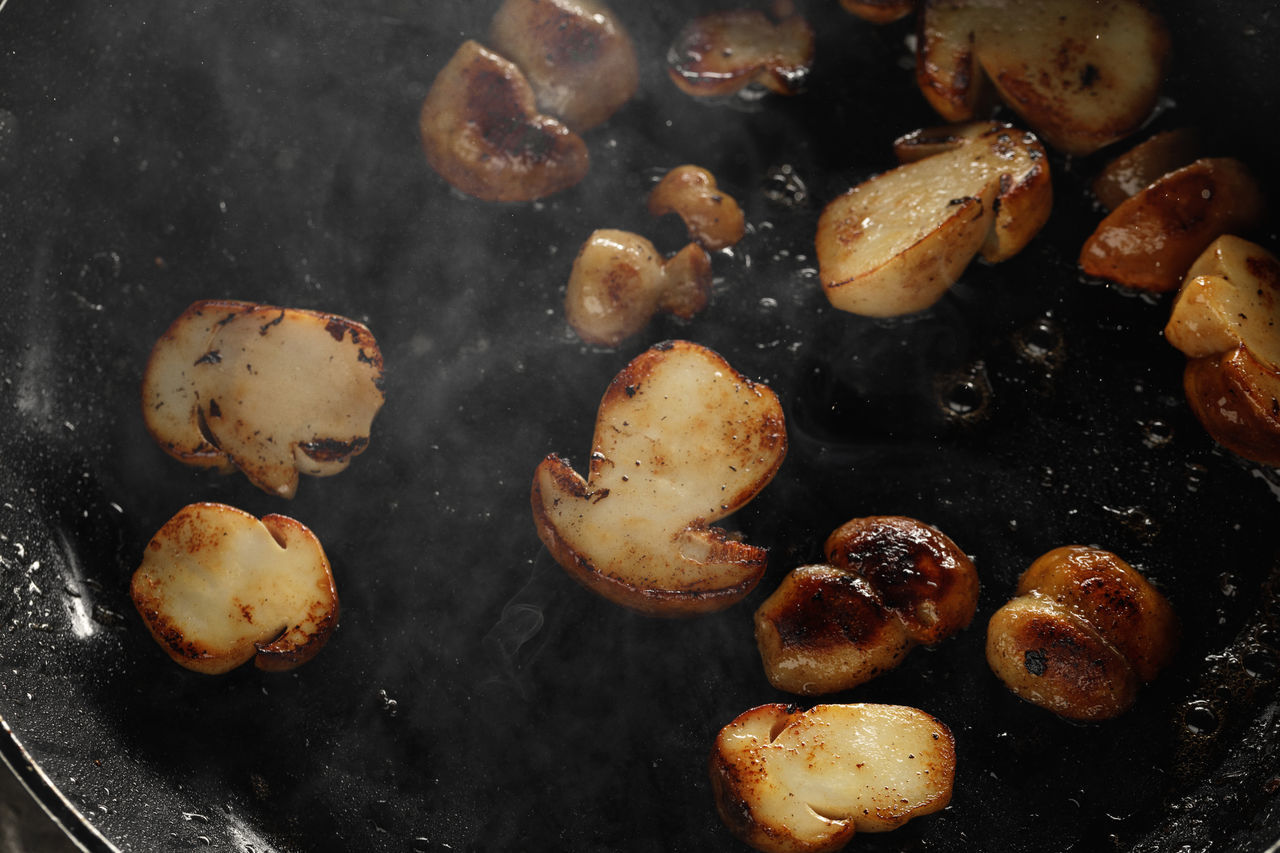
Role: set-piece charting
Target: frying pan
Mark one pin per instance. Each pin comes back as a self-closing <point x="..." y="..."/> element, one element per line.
<point x="473" y="697"/>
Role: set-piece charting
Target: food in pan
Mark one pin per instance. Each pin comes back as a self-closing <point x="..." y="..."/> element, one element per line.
<point x="681" y="441"/>
<point x="619" y="281"/>
<point x="217" y="588"/>
<point x="1150" y="240"/>
<point x="1081" y="75"/>
<point x="272" y="392"/>
<point x="1226" y="319"/>
<point x="1145" y="163"/>
<point x="576" y="55"/>
<point x="482" y="132"/>
<point x="712" y="216"/>
<point x="723" y="53"/>
<point x="889" y="584"/>
<point x="1083" y="631"/>
<point x="790" y="781"/>
<point x="894" y="244"/>
<point x="879" y="11"/>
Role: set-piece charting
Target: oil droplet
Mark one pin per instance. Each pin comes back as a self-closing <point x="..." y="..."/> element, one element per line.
<point x="784" y="187"/>
<point x="1200" y="718"/>
<point x="1156" y="433"/>
<point x="965" y="395"/>
<point x="1260" y="663"/>
<point x="1041" y="342"/>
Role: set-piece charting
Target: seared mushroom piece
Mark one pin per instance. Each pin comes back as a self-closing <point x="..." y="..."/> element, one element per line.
<point x="787" y="781"/>
<point x="576" y="55"/>
<point x="722" y="53"/>
<point x="1150" y="240"/>
<point x="1144" y="164"/>
<point x="217" y="588"/>
<point x="272" y="392"/>
<point x="619" y="281"/>
<point x="712" y="217"/>
<point x="1081" y="75"/>
<point x="1083" y="631"/>
<point x="482" y="132"/>
<point x="681" y="441"/>
<point x="894" y="244"/>
<point x="1226" y="319"/>
<point x="879" y="11"/>
<point x="890" y="584"/>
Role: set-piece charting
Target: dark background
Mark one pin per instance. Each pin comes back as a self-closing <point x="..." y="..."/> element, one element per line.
<point x="473" y="697"/>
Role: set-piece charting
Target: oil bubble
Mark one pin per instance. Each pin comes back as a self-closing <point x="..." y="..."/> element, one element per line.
<point x="1200" y="718"/>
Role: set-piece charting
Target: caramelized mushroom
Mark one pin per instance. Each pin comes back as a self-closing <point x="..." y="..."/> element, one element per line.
<point x="1226" y="319"/>
<point x="272" y="392"/>
<point x="1144" y="164"/>
<point x="879" y="11"/>
<point x="681" y="441"/>
<point x="1081" y="75"/>
<point x="890" y="583"/>
<point x="576" y="55"/>
<point x="482" y="133"/>
<point x="787" y="781"/>
<point x="619" y="281"/>
<point x="217" y="588"/>
<point x="1082" y="633"/>
<point x="724" y="52"/>
<point x="1150" y="240"/>
<point x="895" y="243"/>
<point x="712" y="217"/>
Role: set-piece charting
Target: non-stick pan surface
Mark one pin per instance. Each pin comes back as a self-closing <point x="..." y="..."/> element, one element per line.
<point x="473" y="696"/>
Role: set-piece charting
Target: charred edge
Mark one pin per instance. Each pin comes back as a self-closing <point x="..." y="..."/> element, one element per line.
<point x="332" y="449"/>
<point x="266" y="327"/>
<point x="337" y="329"/>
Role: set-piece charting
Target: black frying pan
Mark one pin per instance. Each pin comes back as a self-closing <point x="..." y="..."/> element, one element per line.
<point x="474" y="697"/>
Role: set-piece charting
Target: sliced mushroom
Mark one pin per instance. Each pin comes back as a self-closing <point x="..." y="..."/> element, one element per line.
<point x="217" y="588"/>
<point x="1226" y="319"/>
<point x="712" y="217"/>
<point x="681" y="441"/>
<point x="724" y="52"/>
<point x="1081" y="75"/>
<point x="894" y="244"/>
<point x="890" y="583"/>
<point x="619" y="281"/>
<point x="879" y="11"/>
<point x="1150" y="240"/>
<point x="482" y="132"/>
<point x="270" y="391"/>
<point x="576" y="55"/>
<point x="1083" y="631"/>
<point x="787" y="781"/>
<point x="1144" y="164"/>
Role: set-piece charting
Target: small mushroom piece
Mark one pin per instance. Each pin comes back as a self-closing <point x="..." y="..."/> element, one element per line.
<point x="576" y="55"/>
<point x="1150" y="240"/>
<point x="217" y="588"/>
<point x="712" y="216"/>
<point x="890" y="583"/>
<point x="619" y="281"/>
<point x="1226" y="319"/>
<point x="681" y="441"/>
<point x="724" y="52"/>
<point x="1144" y="164"/>
<point x="787" y="781"/>
<point x="1081" y="75"/>
<point x="272" y="392"/>
<point x="895" y="243"/>
<point x="1083" y="631"/>
<point x="482" y="132"/>
<point x="879" y="11"/>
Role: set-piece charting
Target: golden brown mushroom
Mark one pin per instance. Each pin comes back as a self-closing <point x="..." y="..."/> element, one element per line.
<point x="712" y="216"/>
<point x="724" y="52"/>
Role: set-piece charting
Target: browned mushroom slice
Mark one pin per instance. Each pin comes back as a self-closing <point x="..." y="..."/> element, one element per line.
<point x="712" y="217"/>
<point x="217" y="588"/>
<point x="724" y="52"/>
<point x="482" y="133"/>
<point x="1144" y="164"/>
<point x="1150" y="240"/>
<point x="681" y="441"/>
<point x="879" y="11"/>
<point x="576" y="55"/>
<point x="1082" y="633"/>
<point x="1226" y="319"/>
<point x="272" y="391"/>
<point x="1081" y="75"/>
<point x="619" y="281"/>
<point x="787" y="781"/>
<point x="890" y="584"/>
<point x="894" y="244"/>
